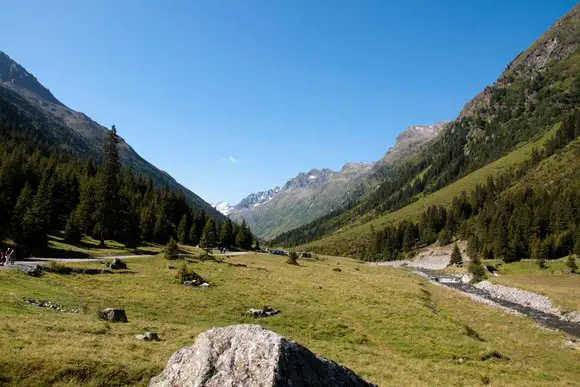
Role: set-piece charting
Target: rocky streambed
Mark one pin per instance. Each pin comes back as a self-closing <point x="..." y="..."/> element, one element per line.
<point x="520" y="301"/>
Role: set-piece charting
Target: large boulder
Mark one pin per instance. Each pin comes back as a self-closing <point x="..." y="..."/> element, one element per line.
<point x="249" y="355"/>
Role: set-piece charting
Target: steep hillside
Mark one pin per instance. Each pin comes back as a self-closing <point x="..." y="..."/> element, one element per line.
<point x="537" y="91"/>
<point x="74" y="131"/>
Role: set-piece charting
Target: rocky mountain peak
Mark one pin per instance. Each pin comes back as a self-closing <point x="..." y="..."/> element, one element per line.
<point x="413" y="137"/>
<point x="16" y="77"/>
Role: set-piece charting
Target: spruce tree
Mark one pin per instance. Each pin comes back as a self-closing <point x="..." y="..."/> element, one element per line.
<point x="244" y="237"/>
<point x="36" y="220"/>
<point x="23" y="204"/>
<point x="208" y="237"/>
<point x="73" y="230"/>
<point x="108" y="202"/>
<point x="171" y="250"/>
<point x="476" y="268"/>
<point x="456" y="258"/>
<point x="182" y="231"/>
<point x="226" y="234"/>
<point x="193" y="239"/>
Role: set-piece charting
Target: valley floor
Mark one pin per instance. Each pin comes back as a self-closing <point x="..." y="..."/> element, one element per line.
<point x="386" y="324"/>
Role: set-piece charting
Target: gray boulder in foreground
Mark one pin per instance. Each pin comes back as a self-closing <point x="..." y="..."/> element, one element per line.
<point x="249" y="355"/>
<point x="113" y="315"/>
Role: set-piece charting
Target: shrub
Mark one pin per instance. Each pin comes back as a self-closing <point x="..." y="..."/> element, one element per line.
<point x="186" y="274"/>
<point x="476" y="269"/>
<point x="292" y="258"/>
<point x="171" y="251"/>
<point x="58" y="268"/>
<point x="571" y="263"/>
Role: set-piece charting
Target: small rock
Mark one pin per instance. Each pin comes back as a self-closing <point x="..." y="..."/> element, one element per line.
<point x="32" y="270"/>
<point x="114" y="315"/>
<point x="264" y="312"/>
<point x="171" y="267"/>
<point x="148" y="336"/>
<point x="204" y="285"/>
<point x="337" y="269"/>
<point x="467" y="278"/>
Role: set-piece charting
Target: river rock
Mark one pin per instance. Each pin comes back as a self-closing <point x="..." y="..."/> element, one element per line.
<point x="114" y="315"/>
<point x="32" y="270"/>
<point x="467" y="278"/>
<point x="264" y="312"/>
<point x="249" y="355"/>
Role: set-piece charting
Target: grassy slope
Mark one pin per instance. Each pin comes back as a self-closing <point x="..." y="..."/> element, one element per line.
<point x="386" y="324"/>
<point x="349" y="240"/>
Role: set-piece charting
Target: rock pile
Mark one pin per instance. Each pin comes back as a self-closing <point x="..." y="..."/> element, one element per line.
<point x="249" y="355"/>
<point x="267" y="311"/>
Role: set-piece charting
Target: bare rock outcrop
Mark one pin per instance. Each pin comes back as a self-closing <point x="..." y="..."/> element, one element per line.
<point x="249" y="355"/>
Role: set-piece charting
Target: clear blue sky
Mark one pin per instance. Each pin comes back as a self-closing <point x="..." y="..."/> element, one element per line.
<point x="236" y="96"/>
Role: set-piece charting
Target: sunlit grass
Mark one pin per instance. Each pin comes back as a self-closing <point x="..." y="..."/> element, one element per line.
<point x="388" y="325"/>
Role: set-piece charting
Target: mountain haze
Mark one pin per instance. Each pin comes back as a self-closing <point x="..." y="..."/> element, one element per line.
<point x="72" y="130"/>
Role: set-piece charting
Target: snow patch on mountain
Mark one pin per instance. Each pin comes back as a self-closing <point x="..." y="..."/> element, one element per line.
<point x="223" y="207"/>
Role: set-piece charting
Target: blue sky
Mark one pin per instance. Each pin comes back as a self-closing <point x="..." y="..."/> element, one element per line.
<point x="231" y="97"/>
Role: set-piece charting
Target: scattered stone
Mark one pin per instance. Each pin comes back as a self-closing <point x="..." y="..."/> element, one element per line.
<point x="574" y="343"/>
<point x="337" y="269"/>
<point x="196" y="284"/>
<point x="116" y="264"/>
<point x="113" y="315"/>
<point x="148" y="336"/>
<point x="249" y="355"/>
<point x="264" y="312"/>
<point x="50" y="305"/>
<point x="171" y="267"/>
<point x="32" y="270"/>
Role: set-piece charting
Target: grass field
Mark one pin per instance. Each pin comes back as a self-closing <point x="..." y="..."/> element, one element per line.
<point x="390" y="326"/>
<point x="350" y="240"/>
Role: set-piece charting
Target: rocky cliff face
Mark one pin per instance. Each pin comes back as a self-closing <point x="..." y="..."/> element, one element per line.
<point x="19" y="87"/>
<point x="411" y="140"/>
<point x="249" y="355"/>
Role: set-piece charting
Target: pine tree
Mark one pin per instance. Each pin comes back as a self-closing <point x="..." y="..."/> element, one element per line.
<point x="476" y="268"/>
<point x="36" y="221"/>
<point x="539" y="253"/>
<point x="208" y="237"/>
<point x="244" y="237"/>
<point x="456" y="258"/>
<point x="23" y="204"/>
<point x="182" y="231"/>
<point x="193" y="234"/>
<point x="108" y="203"/>
<point x="577" y="245"/>
<point x="226" y="234"/>
<point x="171" y="250"/>
<point x="73" y="230"/>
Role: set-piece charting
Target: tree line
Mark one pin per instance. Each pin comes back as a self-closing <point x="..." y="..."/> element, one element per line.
<point x="499" y="219"/>
<point x="46" y="190"/>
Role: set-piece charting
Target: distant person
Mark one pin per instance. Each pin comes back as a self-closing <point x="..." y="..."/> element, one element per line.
<point x="2" y="258"/>
<point x="10" y="257"/>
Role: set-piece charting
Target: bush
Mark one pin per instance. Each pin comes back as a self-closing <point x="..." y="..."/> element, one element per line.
<point x="186" y="274"/>
<point x="171" y="251"/>
<point x="292" y="258"/>
<point x="571" y="263"/>
<point x="58" y="268"/>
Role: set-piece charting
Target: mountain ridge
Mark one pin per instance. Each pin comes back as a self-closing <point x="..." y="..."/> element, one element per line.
<point x="17" y="86"/>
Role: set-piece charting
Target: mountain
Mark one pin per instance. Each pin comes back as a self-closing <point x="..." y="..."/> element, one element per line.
<point x="302" y="199"/>
<point x="509" y="126"/>
<point x="320" y="192"/>
<point x="223" y="207"/>
<point x="75" y="131"/>
<point x="410" y="140"/>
